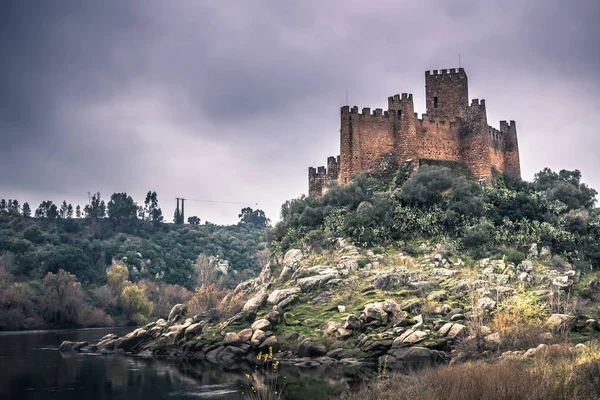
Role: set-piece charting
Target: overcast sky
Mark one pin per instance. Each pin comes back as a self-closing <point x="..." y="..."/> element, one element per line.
<point x="234" y="100"/>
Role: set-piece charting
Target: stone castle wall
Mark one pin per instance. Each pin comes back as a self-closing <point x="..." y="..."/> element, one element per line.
<point x="451" y="130"/>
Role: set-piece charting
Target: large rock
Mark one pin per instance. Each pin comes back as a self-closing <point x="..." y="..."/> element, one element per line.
<point x="391" y="280"/>
<point x="352" y="322"/>
<point x="308" y="348"/>
<point x="277" y="296"/>
<point x="561" y="323"/>
<point x="403" y="357"/>
<point x="177" y="312"/>
<point x="292" y="256"/>
<point x="131" y="340"/>
<point x="261" y="324"/>
<point x="193" y="330"/>
<point x="270" y="344"/>
<point x="451" y="330"/>
<point x="71" y="346"/>
<point x="258" y="337"/>
<point x="382" y="311"/>
<point x="411" y="336"/>
<point x="232" y="339"/>
<point x="311" y="283"/>
<point x="256" y="301"/>
<point x="245" y="335"/>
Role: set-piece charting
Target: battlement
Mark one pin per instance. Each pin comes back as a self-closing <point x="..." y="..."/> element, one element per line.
<point x="477" y="103"/>
<point x="451" y="71"/>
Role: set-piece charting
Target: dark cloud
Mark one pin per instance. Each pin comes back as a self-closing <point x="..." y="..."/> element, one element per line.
<point x="234" y="101"/>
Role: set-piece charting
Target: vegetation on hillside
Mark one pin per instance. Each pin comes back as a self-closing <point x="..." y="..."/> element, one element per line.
<point x="78" y="247"/>
<point x="556" y="210"/>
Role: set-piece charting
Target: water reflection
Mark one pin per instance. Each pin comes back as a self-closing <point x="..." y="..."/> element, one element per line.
<point x="32" y="368"/>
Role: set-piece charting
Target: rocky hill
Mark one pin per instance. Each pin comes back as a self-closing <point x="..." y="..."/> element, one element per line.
<point x="348" y="305"/>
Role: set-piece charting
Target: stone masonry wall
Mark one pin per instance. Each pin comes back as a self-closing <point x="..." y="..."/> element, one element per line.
<point x="451" y="130"/>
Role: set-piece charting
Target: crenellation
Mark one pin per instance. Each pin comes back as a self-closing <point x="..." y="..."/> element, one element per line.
<point x="451" y="129"/>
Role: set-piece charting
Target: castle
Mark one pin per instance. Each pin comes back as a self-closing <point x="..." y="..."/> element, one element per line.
<point x="450" y="131"/>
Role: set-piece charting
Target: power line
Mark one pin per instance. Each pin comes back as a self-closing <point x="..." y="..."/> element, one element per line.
<point x="231" y="202"/>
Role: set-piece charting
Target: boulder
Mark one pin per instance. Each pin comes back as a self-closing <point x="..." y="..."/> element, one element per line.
<point x="273" y="317"/>
<point x="448" y="273"/>
<point x="178" y="311"/>
<point x="343" y="334"/>
<point x="439" y="295"/>
<point x="411" y="336"/>
<point x="451" y="330"/>
<point x="232" y="339"/>
<point x="403" y="357"/>
<point x="245" y="335"/>
<point x="309" y="348"/>
<point x="258" y="337"/>
<point x="352" y="322"/>
<point x="71" y="346"/>
<point x="277" y="296"/>
<point x="255" y="301"/>
<point x="561" y="323"/>
<point x="130" y="341"/>
<point x="261" y="324"/>
<point x="382" y="311"/>
<point x="270" y="344"/>
<point x="193" y="330"/>
<point x="292" y="256"/>
<point x="311" y="283"/>
<point x="485" y="303"/>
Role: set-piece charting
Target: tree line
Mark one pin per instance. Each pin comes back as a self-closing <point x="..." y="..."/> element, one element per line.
<point x="121" y="209"/>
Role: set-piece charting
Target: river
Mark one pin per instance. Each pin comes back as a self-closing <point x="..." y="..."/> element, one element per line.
<point x="31" y="367"/>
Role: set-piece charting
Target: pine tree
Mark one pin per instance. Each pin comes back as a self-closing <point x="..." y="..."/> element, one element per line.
<point x="78" y="211"/>
<point x="63" y="210"/>
<point x="70" y="211"/>
<point x="26" y="210"/>
<point x="2" y="205"/>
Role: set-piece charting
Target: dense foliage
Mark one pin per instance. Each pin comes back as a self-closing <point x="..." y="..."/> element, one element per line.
<point x="555" y="210"/>
<point x="156" y="259"/>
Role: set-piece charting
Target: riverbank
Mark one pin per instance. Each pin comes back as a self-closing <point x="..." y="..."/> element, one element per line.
<point x="555" y="372"/>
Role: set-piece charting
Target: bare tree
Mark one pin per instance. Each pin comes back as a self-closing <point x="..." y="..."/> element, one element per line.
<point x="204" y="271"/>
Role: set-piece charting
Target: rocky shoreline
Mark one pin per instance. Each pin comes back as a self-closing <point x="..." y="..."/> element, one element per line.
<point x="358" y="309"/>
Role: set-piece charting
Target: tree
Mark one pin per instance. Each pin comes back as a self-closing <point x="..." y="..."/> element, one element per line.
<point x="26" y="210"/>
<point x="70" y="211"/>
<point x="193" y="220"/>
<point x="47" y="209"/>
<point x="63" y="210"/>
<point x="96" y="208"/>
<point x="118" y="276"/>
<point x="13" y="207"/>
<point x="122" y="209"/>
<point x="63" y="299"/>
<point x="78" y="211"/>
<point x="177" y="217"/>
<point x="151" y="211"/>
<point x="3" y="205"/>
<point x="135" y="303"/>
<point x="255" y="217"/>
<point x="204" y="271"/>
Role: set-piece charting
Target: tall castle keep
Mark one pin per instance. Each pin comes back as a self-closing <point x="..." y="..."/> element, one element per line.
<point x="451" y="130"/>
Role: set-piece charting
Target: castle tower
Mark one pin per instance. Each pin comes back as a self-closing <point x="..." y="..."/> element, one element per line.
<point x="511" y="155"/>
<point x="446" y="92"/>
